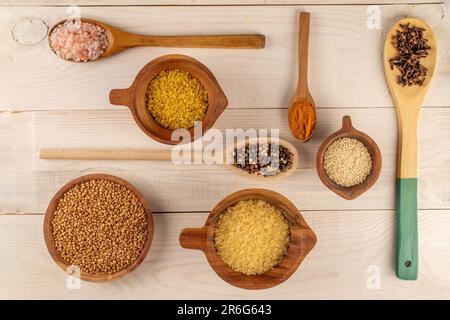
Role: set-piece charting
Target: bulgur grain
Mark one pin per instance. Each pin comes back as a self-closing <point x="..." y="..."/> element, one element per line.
<point x="252" y="236"/>
<point x="100" y="226"/>
<point x="176" y="99"/>
<point x="347" y="162"/>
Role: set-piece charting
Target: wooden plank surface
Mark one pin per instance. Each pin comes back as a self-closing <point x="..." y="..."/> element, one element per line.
<point x="345" y="56"/>
<point x="206" y="2"/>
<point x="46" y="102"/>
<point x="350" y="246"/>
<point x="28" y="183"/>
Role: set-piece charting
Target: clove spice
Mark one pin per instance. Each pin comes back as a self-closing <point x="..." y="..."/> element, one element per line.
<point x="411" y="46"/>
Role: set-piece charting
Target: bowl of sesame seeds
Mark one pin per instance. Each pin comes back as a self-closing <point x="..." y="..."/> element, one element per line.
<point x="170" y="93"/>
<point x="98" y="226"/>
<point x="348" y="162"/>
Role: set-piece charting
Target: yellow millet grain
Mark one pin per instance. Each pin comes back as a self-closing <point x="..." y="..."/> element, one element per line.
<point x="252" y="236"/>
<point x="176" y="99"/>
<point x="347" y="162"/>
<point x="100" y="226"/>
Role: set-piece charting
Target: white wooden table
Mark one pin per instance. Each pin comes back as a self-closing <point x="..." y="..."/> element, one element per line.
<point x="46" y="102"/>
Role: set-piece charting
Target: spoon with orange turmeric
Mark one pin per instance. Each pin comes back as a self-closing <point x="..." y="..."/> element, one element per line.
<point x="302" y="110"/>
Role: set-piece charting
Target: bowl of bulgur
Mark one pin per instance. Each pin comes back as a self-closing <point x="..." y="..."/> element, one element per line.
<point x="99" y="227"/>
<point x="348" y="161"/>
<point x="170" y="93"/>
<point x="253" y="239"/>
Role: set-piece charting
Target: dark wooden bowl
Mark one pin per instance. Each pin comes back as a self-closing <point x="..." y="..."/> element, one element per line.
<point x="347" y="131"/>
<point x="135" y="96"/>
<point x="303" y="240"/>
<point x="48" y="232"/>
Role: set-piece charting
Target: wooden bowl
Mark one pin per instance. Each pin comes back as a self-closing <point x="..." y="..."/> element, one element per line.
<point x="281" y="175"/>
<point x="303" y="240"/>
<point x="135" y="96"/>
<point x="48" y="232"/>
<point x="347" y="131"/>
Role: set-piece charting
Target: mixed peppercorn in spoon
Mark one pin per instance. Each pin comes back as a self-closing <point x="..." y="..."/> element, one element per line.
<point x="265" y="159"/>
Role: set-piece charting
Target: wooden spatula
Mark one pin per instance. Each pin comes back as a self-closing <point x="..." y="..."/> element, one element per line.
<point x="407" y="101"/>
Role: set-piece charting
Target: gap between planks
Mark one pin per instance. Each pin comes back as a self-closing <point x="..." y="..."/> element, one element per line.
<point x="26" y="214"/>
<point x="235" y="4"/>
<point x="3" y="110"/>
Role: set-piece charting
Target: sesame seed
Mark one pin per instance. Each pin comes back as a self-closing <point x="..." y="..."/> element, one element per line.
<point x="347" y="162"/>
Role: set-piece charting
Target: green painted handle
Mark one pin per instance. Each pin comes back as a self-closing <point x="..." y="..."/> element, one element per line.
<point x="407" y="262"/>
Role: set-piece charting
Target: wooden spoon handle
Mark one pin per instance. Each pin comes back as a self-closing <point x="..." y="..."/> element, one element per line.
<point x="407" y="233"/>
<point x="303" y="41"/>
<point x="106" y="154"/>
<point x="407" y="258"/>
<point x="245" y="41"/>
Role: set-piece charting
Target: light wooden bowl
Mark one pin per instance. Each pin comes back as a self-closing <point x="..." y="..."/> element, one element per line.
<point x="135" y="96"/>
<point x="48" y="232"/>
<point x="347" y="131"/>
<point x="303" y="240"/>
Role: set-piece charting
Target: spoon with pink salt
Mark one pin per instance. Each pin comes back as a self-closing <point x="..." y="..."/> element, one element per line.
<point x="83" y="40"/>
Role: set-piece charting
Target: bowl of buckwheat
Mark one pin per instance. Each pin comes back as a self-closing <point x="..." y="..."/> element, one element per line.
<point x="98" y="226"/>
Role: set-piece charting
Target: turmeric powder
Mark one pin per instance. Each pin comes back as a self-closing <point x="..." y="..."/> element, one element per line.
<point x="302" y="120"/>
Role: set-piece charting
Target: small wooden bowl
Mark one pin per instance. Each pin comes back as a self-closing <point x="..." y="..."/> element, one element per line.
<point x="48" y="232"/>
<point x="303" y="240"/>
<point x="347" y="131"/>
<point x="135" y="96"/>
<point x="281" y="175"/>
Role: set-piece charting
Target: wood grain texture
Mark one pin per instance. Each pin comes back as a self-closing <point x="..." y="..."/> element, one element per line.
<point x="29" y="183"/>
<point x="207" y="2"/>
<point x="346" y="77"/>
<point x="352" y="248"/>
<point x="339" y="75"/>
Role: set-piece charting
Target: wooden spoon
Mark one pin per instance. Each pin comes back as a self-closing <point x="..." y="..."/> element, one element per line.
<point x="407" y="101"/>
<point x="166" y="155"/>
<point x="119" y="40"/>
<point x="302" y="108"/>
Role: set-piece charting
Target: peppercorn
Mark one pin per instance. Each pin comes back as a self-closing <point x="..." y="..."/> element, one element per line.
<point x="265" y="159"/>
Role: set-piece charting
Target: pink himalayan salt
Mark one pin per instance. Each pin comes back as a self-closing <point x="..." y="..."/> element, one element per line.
<point x="78" y="41"/>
